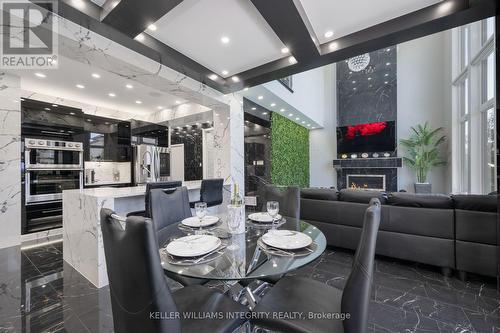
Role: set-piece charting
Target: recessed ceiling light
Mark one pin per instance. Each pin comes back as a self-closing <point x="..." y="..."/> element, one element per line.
<point x="303" y="122"/>
<point x="388" y="64"/>
<point x="72" y="113"/>
<point x="369" y="79"/>
<point x="297" y="118"/>
<point x="40" y="75"/>
<point x="48" y="109"/>
<point x="273" y="104"/>
<point x="213" y="77"/>
<point x="290" y="114"/>
<point x="55" y="105"/>
<point x="129" y="86"/>
<point x="285" y="50"/>
<point x="386" y="74"/>
<point x="388" y="50"/>
<point x="106" y="123"/>
<point x="260" y="97"/>
<point x="225" y="40"/>
<point x="354" y="88"/>
<point x="353" y="82"/>
<point x="313" y="127"/>
<point x="159" y="107"/>
<point x="282" y="110"/>
<point x="224" y="72"/>
<point x="292" y="60"/>
<point x="235" y="79"/>
<point x="328" y="34"/>
<point x="138" y="102"/>
<point x="264" y="113"/>
<point x="333" y="46"/>
<point x="309" y="125"/>
<point x="96" y="76"/>
<point x="112" y="94"/>
<point x="177" y="102"/>
<point x="152" y="27"/>
<point x="139" y="37"/>
<point x="386" y="82"/>
<point x="80" y="86"/>
<point x="246" y="89"/>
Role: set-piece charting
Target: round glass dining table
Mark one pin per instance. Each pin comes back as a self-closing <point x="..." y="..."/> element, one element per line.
<point x="243" y="258"/>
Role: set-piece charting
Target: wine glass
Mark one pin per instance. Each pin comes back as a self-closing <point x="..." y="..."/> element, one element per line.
<point x="200" y="209"/>
<point x="273" y="207"/>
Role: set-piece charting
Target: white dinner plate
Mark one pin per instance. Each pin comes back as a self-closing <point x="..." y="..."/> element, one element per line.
<point x="194" y="222"/>
<point x="286" y="239"/>
<point x="193" y="245"/>
<point x="263" y="217"/>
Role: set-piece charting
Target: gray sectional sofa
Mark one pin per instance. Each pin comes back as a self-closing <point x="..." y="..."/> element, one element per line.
<point x="452" y="232"/>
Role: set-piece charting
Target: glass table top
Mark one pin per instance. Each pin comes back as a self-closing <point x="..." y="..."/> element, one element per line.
<point x="243" y="258"/>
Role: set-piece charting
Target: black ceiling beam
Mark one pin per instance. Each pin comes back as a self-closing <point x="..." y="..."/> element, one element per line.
<point x="402" y="29"/>
<point x="289" y="25"/>
<point x="133" y="16"/>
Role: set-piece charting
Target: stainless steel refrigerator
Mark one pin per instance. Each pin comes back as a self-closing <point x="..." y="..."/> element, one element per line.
<point x="151" y="164"/>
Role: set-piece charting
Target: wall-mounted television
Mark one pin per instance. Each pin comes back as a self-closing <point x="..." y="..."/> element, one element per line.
<point x="367" y="138"/>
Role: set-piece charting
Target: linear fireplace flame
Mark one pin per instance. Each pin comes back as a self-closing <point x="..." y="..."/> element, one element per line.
<point x="366" y="182"/>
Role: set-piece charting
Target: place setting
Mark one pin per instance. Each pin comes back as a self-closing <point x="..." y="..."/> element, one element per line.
<point x="268" y="219"/>
<point x="286" y="243"/>
<point x="201" y="221"/>
<point x="193" y="250"/>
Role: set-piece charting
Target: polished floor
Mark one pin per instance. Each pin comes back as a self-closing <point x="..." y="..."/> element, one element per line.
<point x="40" y="293"/>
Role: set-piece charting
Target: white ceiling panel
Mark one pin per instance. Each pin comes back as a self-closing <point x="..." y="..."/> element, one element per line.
<point x="346" y="17"/>
<point x="195" y="28"/>
<point x="97" y="87"/>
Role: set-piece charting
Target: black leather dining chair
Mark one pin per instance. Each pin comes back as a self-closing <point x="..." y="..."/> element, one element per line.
<point x="140" y="296"/>
<point x="211" y="192"/>
<point x="287" y="197"/>
<point x="301" y="294"/>
<point x="151" y="186"/>
<point x="169" y="206"/>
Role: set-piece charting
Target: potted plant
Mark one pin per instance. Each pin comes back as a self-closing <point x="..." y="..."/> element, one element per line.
<point x="423" y="154"/>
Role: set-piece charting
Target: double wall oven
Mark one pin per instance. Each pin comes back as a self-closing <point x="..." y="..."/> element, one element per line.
<point x="49" y="168"/>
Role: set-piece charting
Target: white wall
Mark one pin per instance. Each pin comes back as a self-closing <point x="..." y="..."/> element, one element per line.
<point x="323" y="142"/>
<point x="424" y="94"/>
<point x="308" y="96"/>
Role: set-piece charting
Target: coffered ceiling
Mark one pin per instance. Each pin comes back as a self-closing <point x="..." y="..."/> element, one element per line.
<point x="232" y="44"/>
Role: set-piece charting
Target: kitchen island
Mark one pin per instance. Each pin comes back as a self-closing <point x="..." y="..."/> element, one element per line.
<point x="82" y="239"/>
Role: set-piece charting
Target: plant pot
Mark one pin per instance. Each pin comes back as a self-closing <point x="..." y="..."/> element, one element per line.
<point x="423" y="188"/>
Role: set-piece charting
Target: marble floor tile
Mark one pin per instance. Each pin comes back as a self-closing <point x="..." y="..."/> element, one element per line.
<point x="39" y="292"/>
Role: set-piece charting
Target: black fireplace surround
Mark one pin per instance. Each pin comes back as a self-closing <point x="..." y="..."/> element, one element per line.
<point x="452" y="232"/>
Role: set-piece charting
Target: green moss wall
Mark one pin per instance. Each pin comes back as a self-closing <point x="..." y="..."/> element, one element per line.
<point x="289" y="152"/>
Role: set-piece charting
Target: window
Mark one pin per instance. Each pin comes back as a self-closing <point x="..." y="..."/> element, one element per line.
<point x="474" y="149"/>
<point x="489" y="178"/>
<point x="464" y="136"/>
<point x="464" y="46"/>
<point x="488" y="29"/>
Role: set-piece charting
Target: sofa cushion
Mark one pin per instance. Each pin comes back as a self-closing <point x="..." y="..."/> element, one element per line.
<point x="420" y="200"/>
<point x="361" y="196"/>
<point x="480" y="203"/>
<point x="319" y="194"/>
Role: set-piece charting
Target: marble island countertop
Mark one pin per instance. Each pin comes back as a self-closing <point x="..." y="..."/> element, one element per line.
<point x="123" y="192"/>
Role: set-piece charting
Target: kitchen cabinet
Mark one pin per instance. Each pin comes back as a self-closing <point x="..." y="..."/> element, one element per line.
<point x="107" y="140"/>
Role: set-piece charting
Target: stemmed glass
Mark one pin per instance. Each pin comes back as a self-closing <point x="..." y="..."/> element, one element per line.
<point x="273" y="208"/>
<point x="200" y="209"/>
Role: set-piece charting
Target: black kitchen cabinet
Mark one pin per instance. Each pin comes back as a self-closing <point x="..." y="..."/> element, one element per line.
<point x="149" y="133"/>
<point x="107" y="140"/>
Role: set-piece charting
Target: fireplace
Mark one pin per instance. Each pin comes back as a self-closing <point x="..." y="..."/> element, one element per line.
<point x="366" y="182"/>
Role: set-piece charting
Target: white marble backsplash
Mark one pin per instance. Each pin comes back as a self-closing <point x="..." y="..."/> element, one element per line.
<point x="107" y="172"/>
